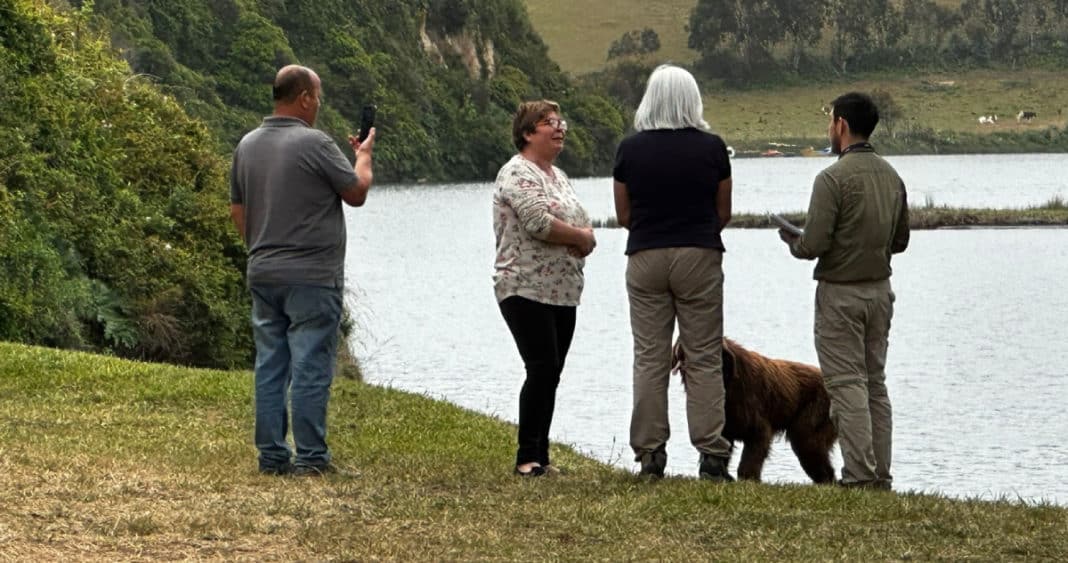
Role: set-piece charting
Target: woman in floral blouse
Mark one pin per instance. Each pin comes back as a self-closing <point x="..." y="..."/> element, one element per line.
<point x="543" y="236"/>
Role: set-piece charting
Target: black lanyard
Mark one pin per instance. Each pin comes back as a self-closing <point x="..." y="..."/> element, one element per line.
<point x="863" y="145"/>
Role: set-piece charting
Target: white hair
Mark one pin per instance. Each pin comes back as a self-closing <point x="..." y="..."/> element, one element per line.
<point x="672" y="100"/>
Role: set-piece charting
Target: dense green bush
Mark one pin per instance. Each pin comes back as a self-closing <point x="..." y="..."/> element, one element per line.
<point x="114" y="229"/>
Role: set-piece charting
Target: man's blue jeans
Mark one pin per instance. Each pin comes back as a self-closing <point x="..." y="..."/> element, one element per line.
<point x="296" y="331"/>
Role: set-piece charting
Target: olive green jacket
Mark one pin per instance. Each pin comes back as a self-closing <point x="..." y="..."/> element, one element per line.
<point x="858" y="216"/>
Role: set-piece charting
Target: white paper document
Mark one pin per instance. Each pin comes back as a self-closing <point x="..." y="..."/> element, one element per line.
<point x="782" y="222"/>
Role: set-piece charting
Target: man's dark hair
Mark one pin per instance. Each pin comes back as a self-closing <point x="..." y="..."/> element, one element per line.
<point x="290" y="82"/>
<point x="859" y="111"/>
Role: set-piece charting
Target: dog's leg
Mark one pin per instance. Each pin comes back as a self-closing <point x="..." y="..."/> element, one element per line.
<point x="813" y="449"/>
<point x="756" y="450"/>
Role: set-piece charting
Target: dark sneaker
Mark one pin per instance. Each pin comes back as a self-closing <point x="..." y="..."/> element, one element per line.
<point x="653" y="464"/>
<point x="714" y="468"/>
<point x="321" y="470"/>
<point x="874" y="484"/>
<point x="282" y="469"/>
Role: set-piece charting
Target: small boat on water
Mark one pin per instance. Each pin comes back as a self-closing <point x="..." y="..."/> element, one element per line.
<point x="772" y="152"/>
<point x="809" y="151"/>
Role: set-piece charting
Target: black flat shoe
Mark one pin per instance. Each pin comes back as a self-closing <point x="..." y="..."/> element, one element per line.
<point x="536" y="471"/>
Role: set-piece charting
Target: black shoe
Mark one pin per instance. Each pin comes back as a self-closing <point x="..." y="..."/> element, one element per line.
<point x="321" y="470"/>
<point x="714" y="468"/>
<point x="281" y="469"/>
<point x="536" y="471"/>
<point x="874" y="484"/>
<point x="653" y="464"/>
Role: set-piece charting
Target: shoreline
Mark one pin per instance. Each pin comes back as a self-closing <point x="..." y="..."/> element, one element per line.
<point x="1053" y="214"/>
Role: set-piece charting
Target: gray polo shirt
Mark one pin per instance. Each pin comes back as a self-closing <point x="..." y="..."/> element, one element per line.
<point x="288" y="176"/>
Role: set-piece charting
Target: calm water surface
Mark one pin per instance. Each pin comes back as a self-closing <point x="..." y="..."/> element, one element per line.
<point x="977" y="366"/>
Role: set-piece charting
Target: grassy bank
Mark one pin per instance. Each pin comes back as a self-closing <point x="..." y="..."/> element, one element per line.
<point x="1054" y="213"/>
<point x="107" y="459"/>
<point x="948" y="105"/>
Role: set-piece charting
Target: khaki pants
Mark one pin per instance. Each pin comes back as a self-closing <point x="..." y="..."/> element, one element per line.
<point x="663" y="285"/>
<point x="852" y="324"/>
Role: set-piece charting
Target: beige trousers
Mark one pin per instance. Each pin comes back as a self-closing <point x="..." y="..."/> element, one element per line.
<point x="852" y="325"/>
<point x="665" y="285"/>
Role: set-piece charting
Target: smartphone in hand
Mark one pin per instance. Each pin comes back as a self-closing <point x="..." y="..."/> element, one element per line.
<point x="367" y="121"/>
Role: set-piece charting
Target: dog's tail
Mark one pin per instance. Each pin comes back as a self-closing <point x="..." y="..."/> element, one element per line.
<point x="678" y="359"/>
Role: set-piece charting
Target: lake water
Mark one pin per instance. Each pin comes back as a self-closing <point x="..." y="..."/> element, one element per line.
<point x="978" y="351"/>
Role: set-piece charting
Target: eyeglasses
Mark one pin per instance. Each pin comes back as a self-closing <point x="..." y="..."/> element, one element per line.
<point x="555" y="123"/>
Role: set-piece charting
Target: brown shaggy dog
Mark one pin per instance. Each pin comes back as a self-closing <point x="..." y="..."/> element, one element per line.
<point x="766" y="397"/>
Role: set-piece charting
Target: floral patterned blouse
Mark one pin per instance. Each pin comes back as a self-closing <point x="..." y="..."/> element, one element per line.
<point x="524" y="204"/>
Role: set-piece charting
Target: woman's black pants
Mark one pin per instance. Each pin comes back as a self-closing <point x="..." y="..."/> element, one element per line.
<point x="543" y="335"/>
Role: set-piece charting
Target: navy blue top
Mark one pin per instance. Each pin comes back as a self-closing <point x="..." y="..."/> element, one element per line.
<point x="672" y="177"/>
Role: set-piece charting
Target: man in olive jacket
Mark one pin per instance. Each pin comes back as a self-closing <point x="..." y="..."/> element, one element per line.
<point x="857" y="218"/>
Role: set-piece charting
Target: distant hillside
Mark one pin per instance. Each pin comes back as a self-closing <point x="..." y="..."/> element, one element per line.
<point x="446" y="74"/>
<point x="769" y="67"/>
<point x="579" y="33"/>
<point x="935" y="112"/>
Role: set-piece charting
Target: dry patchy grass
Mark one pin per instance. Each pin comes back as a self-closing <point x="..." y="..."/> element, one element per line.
<point x="102" y="459"/>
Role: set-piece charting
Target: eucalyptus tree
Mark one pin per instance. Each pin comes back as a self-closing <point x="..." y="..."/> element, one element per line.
<point x="802" y="23"/>
<point x="928" y="27"/>
<point x="863" y="30"/>
<point x="744" y="30"/>
<point x="992" y="26"/>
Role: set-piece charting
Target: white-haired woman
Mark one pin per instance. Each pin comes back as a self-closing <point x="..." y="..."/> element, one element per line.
<point x="673" y="193"/>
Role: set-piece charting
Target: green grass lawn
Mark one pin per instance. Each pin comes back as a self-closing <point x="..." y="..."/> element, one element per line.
<point x="579" y="33"/>
<point x="105" y="459"/>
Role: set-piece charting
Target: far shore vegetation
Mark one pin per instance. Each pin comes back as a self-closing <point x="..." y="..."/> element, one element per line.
<point x="103" y="459"/>
<point x="926" y="215"/>
<point x="950" y="76"/>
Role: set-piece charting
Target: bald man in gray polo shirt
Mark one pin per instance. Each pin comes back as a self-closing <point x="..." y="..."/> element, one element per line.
<point x="287" y="185"/>
<point x="857" y="218"/>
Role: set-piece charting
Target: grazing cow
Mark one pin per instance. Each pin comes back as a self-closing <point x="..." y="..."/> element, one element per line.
<point x="1026" y="116"/>
<point x="988" y="119"/>
<point x="766" y="397"/>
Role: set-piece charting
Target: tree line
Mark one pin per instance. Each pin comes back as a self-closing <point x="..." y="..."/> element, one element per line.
<point x="746" y="41"/>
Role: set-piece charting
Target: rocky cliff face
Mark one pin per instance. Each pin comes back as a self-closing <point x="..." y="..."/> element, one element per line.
<point x="474" y="52"/>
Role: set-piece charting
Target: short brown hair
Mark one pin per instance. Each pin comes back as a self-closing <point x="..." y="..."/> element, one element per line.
<point x="527" y="118"/>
